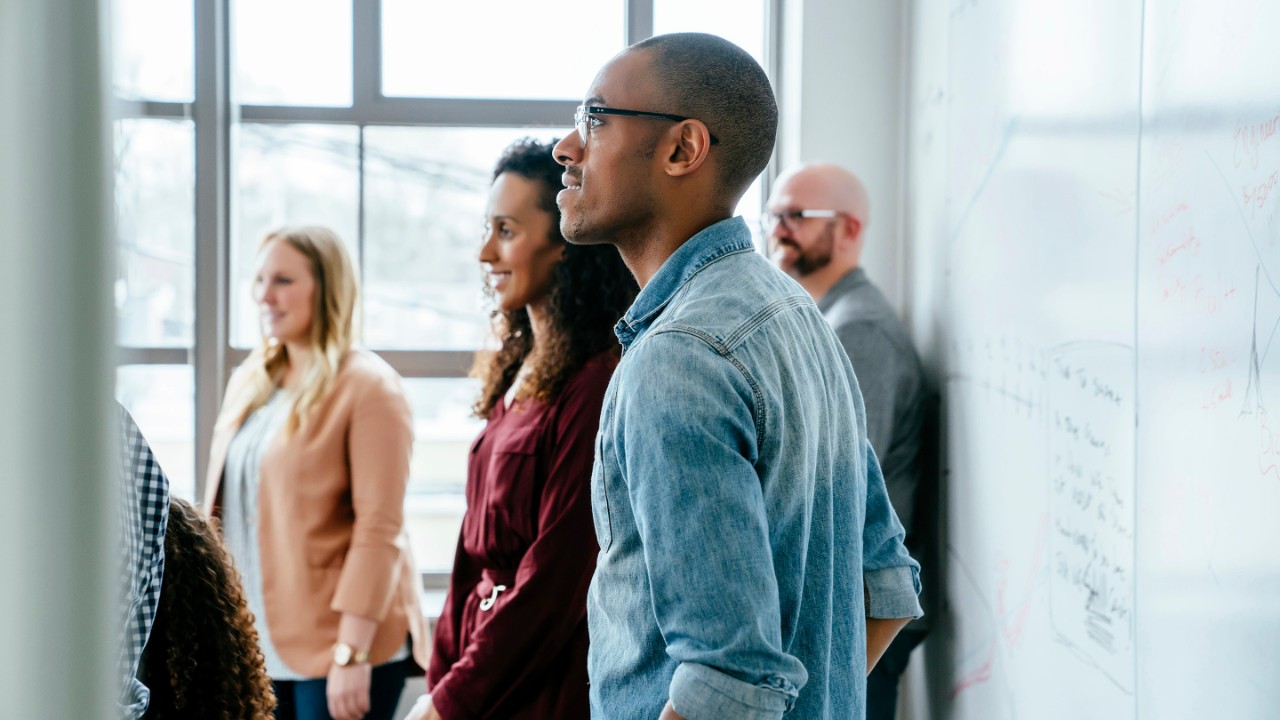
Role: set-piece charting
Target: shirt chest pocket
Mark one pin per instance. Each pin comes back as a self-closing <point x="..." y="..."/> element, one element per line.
<point x="514" y="479"/>
<point x="606" y="459"/>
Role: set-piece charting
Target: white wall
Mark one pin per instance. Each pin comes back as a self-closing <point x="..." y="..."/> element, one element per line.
<point x="858" y="88"/>
<point x="842" y="90"/>
<point x="55" y="466"/>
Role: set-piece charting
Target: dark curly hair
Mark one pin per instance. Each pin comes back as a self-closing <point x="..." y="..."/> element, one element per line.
<point x="203" y="660"/>
<point x="591" y="289"/>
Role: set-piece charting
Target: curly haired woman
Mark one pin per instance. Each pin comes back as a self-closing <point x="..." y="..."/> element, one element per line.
<point x="202" y="660"/>
<point x="511" y="642"/>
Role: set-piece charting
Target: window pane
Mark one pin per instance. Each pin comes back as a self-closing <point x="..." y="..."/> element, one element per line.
<point x="288" y="175"/>
<point x="443" y="429"/>
<point x="292" y="52"/>
<point x="153" y="44"/>
<point x="501" y="49"/>
<point x="750" y="207"/>
<point x="738" y="21"/>
<point x="425" y="194"/>
<point x="155" y="225"/>
<point x="161" y="399"/>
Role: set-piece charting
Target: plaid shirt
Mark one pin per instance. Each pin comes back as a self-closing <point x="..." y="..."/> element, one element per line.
<point x="144" y="514"/>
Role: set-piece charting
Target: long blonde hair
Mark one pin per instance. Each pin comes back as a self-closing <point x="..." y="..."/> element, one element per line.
<point x="334" y="330"/>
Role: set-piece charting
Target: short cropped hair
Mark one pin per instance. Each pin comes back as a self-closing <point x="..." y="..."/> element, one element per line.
<point x="709" y="78"/>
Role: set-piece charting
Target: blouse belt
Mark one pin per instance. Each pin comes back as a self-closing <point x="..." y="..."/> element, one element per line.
<point x="493" y="582"/>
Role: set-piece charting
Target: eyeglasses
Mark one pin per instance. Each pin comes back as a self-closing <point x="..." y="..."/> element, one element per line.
<point x="582" y="118"/>
<point x="791" y="219"/>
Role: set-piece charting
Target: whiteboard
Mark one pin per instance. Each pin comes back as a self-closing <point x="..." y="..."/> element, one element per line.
<point x="1108" y="334"/>
<point x="1209" y="304"/>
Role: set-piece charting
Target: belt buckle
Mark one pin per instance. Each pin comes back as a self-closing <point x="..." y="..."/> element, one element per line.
<point x="487" y="604"/>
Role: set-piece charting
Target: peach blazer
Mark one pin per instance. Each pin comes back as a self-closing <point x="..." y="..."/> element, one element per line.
<point x="331" y="520"/>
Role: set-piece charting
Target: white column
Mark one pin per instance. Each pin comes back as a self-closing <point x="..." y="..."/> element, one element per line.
<point x="842" y="87"/>
<point x="57" y="558"/>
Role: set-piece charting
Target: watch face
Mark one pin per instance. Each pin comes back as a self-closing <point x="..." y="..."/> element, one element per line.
<point x="342" y="654"/>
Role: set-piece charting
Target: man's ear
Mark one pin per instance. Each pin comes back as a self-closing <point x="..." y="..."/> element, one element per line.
<point x="690" y="149"/>
<point x="853" y="228"/>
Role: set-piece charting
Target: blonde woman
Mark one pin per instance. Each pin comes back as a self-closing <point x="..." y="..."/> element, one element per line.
<point x="309" y="462"/>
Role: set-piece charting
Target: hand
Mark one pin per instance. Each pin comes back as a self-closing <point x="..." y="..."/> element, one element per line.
<point x="423" y="710"/>
<point x="348" y="691"/>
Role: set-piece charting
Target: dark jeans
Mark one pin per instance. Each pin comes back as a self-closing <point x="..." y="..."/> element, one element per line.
<point x="882" y="683"/>
<point x="305" y="699"/>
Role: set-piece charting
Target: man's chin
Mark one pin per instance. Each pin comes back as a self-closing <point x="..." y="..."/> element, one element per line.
<point x="571" y="232"/>
<point x="578" y="233"/>
<point x="584" y="239"/>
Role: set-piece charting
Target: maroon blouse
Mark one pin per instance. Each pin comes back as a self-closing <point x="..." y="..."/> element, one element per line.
<point x="527" y="527"/>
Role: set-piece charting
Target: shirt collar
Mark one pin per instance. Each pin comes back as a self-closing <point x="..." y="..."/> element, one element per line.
<point x="708" y="245"/>
<point x="851" y="280"/>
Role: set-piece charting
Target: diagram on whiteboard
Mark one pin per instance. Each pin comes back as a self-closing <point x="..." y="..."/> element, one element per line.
<point x="1091" y="446"/>
<point x="1250" y="199"/>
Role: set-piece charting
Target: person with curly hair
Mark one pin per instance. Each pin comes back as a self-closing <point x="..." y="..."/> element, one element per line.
<point x="511" y="641"/>
<point x="202" y="660"/>
<point x="308" y="469"/>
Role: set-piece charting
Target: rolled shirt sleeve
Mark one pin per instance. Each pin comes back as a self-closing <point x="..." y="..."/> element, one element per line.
<point x="699" y="691"/>
<point x="699" y="508"/>
<point x="890" y="575"/>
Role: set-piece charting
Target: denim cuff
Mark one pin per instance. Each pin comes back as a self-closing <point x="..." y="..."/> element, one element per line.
<point x="699" y="692"/>
<point x="893" y="592"/>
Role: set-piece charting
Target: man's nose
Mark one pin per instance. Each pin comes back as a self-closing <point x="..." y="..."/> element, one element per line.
<point x="569" y="150"/>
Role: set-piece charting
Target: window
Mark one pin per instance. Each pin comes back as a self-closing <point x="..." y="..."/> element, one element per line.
<point x="161" y="399"/>
<point x="381" y="120"/>
<point x="424" y="196"/>
<point x="154" y="146"/>
<point x="511" y="49"/>
<point x="292" y="52"/>
<point x="287" y="175"/>
<point x="154" y="50"/>
<point x="155" y="221"/>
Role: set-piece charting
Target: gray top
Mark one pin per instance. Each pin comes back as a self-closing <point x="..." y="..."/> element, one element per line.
<point x="893" y="389"/>
<point x="240" y="514"/>
<point x="240" y="518"/>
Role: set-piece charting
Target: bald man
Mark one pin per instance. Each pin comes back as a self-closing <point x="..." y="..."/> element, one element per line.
<point x="816" y="221"/>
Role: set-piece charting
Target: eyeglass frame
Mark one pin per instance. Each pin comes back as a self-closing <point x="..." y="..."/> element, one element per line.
<point x="583" y="113"/>
<point x="790" y="219"/>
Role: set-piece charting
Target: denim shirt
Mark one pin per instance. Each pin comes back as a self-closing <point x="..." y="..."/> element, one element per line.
<point x="739" y="522"/>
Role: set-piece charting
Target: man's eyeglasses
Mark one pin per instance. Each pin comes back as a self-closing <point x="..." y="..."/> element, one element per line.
<point x="791" y="219"/>
<point x="582" y="118"/>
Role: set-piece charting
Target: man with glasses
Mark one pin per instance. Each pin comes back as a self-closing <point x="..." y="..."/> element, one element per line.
<point x="750" y="563"/>
<point x="815" y="222"/>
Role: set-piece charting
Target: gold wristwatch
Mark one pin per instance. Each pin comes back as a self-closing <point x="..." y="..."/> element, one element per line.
<point x="344" y="655"/>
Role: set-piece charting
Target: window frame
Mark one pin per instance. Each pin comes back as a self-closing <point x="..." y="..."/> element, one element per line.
<point x="212" y="355"/>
